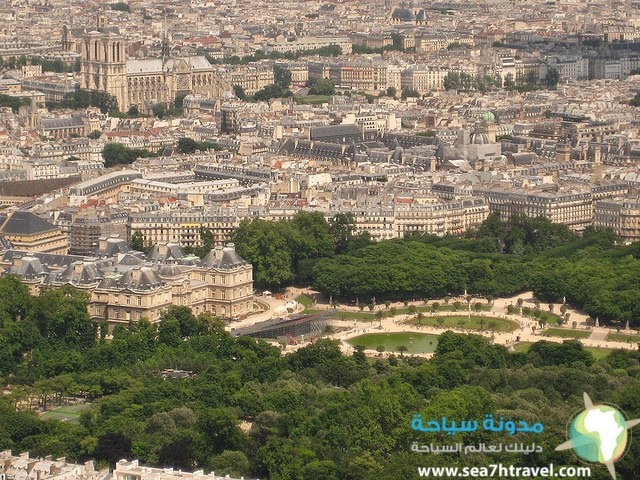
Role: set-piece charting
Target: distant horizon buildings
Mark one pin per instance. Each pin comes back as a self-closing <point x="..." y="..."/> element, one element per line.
<point x="24" y="467"/>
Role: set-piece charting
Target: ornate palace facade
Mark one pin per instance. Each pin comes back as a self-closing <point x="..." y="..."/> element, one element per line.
<point x="125" y="286"/>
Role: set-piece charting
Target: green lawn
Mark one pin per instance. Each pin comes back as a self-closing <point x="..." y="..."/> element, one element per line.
<point x="522" y="347"/>
<point x="366" y="315"/>
<point x="311" y="99"/>
<point x="550" y="318"/>
<point x="622" y="337"/>
<point x="565" y="333"/>
<point x="463" y="321"/>
<point x="415" y="342"/>
<point x="599" y="353"/>
<point x="68" y="413"/>
<point x="449" y="308"/>
<point x="304" y="300"/>
<point x="362" y="316"/>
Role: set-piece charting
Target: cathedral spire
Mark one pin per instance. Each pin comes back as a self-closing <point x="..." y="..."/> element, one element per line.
<point x="165" y="40"/>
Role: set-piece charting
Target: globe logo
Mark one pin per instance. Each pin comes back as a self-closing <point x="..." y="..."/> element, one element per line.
<point x="599" y="434"/>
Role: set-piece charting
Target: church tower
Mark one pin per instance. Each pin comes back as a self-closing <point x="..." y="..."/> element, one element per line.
<point x="104" y="59"/>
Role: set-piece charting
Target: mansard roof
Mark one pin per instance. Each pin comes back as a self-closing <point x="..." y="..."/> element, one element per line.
<point x="131" y="258"/>
<point x="29" y="268"/>
<point x="137" y="279"/>
<point x="108" y="247"/>
<point x="166" y="252"/>
<point x="170" y="271"/>
<point x="80" y="273"/>
<point x="224" y="258"/>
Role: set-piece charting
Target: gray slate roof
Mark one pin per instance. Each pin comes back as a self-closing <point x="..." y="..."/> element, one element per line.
<point x="138" y="279"/>
<point x="29" y="268"/>
<point x="112" y="246"/>
<point x="75" y="121"/>
<point x="80" y="273"/>
<point x="166" y="253"/>
<point x="224" y="258"/>
<point x="22" y="222"/>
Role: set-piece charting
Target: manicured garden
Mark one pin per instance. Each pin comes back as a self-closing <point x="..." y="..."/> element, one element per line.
<point x="470" y="323"/>
<point x="397" y="342"/>
<point x="565" y="333"/>
<point x="67" y="413"/>
<point x="623" y="337"/>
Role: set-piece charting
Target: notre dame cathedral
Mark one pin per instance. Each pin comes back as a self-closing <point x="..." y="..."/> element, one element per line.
<point x="139" y="82"/>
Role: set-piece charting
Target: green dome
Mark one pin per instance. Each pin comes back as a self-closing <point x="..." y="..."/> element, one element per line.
<point x="488" y="117"/>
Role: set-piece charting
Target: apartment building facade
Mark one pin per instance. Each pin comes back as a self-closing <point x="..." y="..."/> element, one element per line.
<point x="182" y="227"/>
<point x="574" y="209"/>
<point x="620" y="215"/>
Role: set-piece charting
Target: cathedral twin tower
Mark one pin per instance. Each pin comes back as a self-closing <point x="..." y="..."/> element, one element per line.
<point x="104" y="65"/>
<point x="139" y="82"/>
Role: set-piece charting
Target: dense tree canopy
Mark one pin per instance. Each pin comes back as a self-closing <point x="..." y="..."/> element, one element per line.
<point x="497" y="259"/>
<point x="188" y="145"/>
<point x="283" y="251"/>
<point x="315" y="413"/>
<point x="56" y="65"/>
<point x="239" y="92"/>
<point x="118" y="154"/>
<point x="281" y="76"/>
<point x="588" y="272"/>
<point x="14" y="102"/>
<point x="87" y="98"/>
<point x="323" y="86"/>
<point x="246" y="409"/>
<point x="328" y="51"/>
<point x="466" y="81"/>
<point x="121" y="6"/>
<point x="271" y="91"/>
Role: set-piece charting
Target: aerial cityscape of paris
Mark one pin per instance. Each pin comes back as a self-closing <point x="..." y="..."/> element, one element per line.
<point x="319" y="240"/>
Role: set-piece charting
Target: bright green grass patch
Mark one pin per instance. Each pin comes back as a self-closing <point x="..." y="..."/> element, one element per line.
<point x="599" y="353"/>
<point x="522" y="347"/>
<point x="565" y="333"/>
<point x="622" y="337"/>
<point x="549" y="318"/>
<point x="355" y="316"/>
<point x="311" y="99"/>
<point x="304" y="300"/>
<point x="367" y="315"/>
<point x="415" y="342"/>
<point x="68" y="413"/>
<point x="473" y="323"/>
